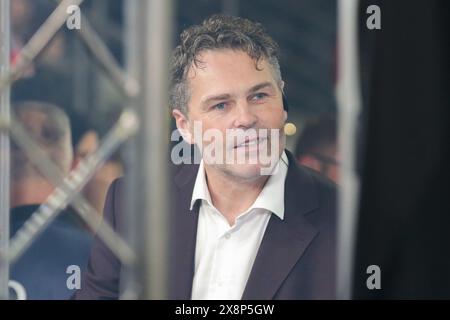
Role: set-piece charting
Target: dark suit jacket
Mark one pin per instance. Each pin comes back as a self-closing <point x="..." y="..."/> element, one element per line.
<point x="296" y="258"/>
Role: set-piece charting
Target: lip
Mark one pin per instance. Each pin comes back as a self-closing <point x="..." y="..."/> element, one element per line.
<point x="251" y="143"/>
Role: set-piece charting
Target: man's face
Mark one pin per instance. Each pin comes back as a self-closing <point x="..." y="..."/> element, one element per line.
<point x="228" y="94"/>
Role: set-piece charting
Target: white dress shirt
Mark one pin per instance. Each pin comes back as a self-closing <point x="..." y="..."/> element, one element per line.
<point x="224" y="255"/>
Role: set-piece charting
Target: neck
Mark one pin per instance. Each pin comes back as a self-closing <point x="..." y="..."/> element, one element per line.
<point x="232" y="195"/>
<point x="30" y="192"/>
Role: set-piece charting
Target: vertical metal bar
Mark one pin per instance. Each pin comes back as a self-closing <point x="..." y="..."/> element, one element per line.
<point x="4" y="145"/>
<point x="149" y="34"/>
<point x="130" y="285"/>
<point x="80" y="69"/>
<point x="349" y="104"/>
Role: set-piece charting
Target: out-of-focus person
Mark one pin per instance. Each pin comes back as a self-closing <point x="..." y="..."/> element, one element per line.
<point x="65" y="242"/>
<point x="49" y="85"/>
<point x="317" y="148"/>
<point x="86" y="140"/>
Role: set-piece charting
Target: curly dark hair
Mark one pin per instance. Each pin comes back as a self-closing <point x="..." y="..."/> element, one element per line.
<point x="218" y="32"/>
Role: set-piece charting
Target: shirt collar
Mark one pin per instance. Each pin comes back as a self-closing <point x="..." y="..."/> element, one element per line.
<point x="271" y="197"/>
<point x="200" y="191"/>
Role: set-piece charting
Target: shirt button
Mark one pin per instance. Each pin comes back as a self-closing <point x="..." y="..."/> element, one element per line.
<point x="227" y="236"/>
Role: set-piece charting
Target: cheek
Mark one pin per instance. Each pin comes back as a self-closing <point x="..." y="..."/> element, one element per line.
<point x="273" y="119"/>
<point x="211" y="130"/>
<point x="211" y="124"/>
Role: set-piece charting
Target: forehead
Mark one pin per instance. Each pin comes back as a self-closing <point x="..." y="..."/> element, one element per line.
<point x="32" y="117"/>
<point x="226" y="69"/>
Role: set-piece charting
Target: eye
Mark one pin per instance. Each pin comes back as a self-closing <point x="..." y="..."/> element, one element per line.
<point x="219" y="106"/>
<point x="259" y="96"/>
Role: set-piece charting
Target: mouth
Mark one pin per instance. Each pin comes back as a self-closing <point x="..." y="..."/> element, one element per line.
<point x="250" y="143"/>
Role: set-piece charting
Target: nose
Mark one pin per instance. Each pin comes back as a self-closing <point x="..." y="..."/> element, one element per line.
<point x="245" y="117"/>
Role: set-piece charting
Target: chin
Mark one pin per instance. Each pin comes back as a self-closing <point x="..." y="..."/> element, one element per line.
<point x="243" y="171"/>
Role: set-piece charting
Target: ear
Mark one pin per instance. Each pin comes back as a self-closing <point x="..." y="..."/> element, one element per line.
<point x="183" y="125"/>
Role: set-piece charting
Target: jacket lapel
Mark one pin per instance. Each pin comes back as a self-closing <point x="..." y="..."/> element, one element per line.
<point x="284" y="241"/>
<point x="185" y="231"/>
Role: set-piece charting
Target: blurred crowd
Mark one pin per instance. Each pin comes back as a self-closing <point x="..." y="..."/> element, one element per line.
<point x="46" y="102"/>
<point x="51" y="78"/>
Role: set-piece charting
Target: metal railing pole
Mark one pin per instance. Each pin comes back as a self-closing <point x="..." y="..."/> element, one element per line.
<point x="349" y="104"/>
<point x="4" y="145"/>
<point x="148" y="45"/>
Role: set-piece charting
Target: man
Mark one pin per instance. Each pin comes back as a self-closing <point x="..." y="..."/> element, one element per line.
<point x="236" y="232"/>
<point x="42" y="270"/>
<point x="317" y="147"/>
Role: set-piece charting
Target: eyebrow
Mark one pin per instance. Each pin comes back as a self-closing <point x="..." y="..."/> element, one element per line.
<point x="219" y="97"/>
<point x="226" y="96"/>
<point x="260" y="86"/>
